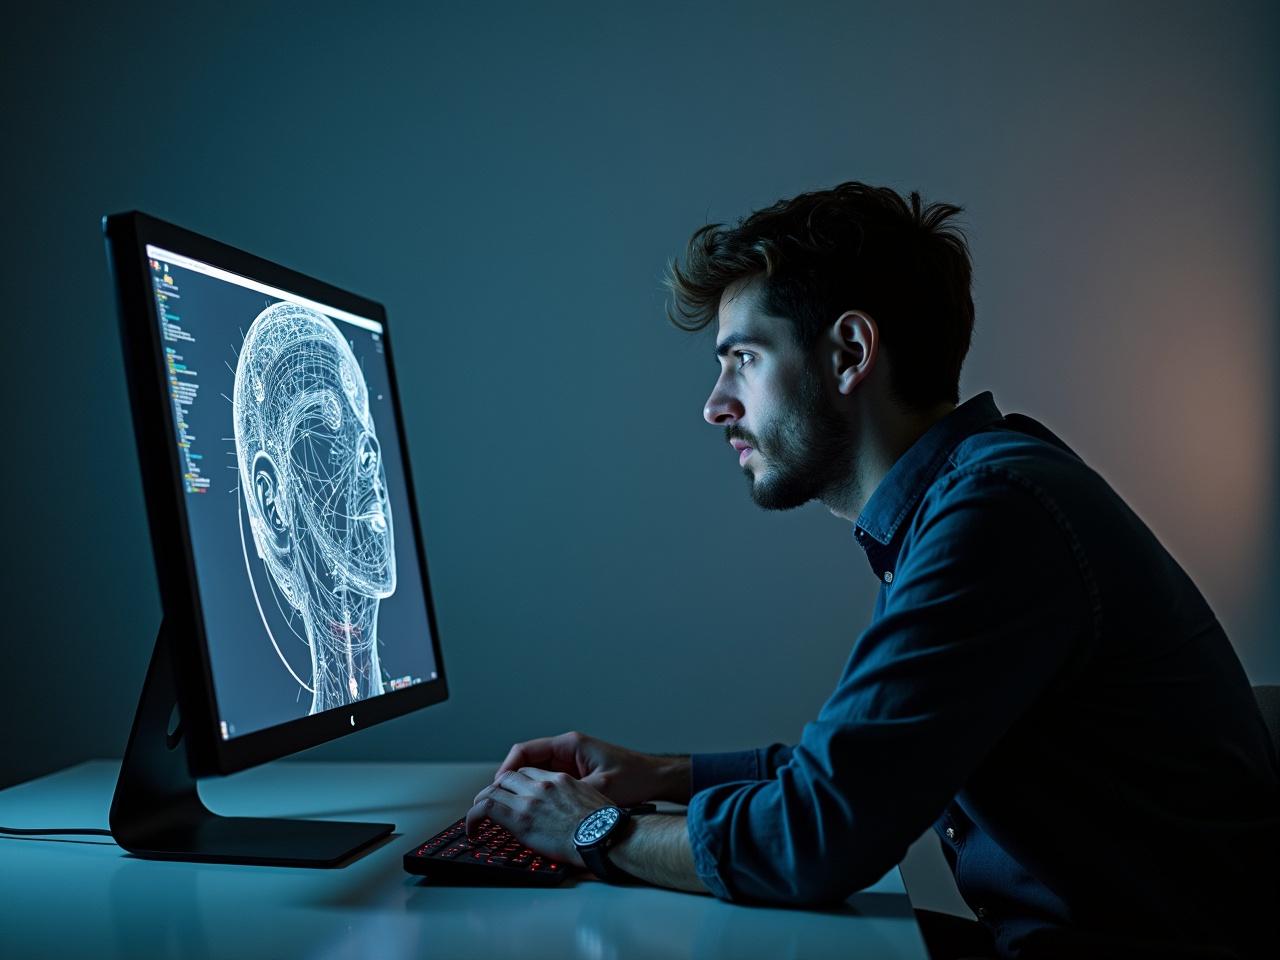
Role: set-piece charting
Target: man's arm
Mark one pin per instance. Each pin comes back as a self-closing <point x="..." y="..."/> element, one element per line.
<point x="628" y="777"/>
<point x="988" y="607"/>
<point x="625" y="776"/>
<point x="657" y="850"/>
<point x="712" y="769"/>
<point x="544" y="809"/>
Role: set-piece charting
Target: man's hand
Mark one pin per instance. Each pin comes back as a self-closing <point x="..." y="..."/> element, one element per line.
<point x="624" y="776"/>
<point x="544" y="809"/>
<point x="541" y="808"/>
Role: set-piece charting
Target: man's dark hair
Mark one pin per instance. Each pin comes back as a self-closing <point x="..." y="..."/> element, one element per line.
<point x="853" y="247"/>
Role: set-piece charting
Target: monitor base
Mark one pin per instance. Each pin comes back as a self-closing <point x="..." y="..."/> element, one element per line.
<point x="157" y="812"/>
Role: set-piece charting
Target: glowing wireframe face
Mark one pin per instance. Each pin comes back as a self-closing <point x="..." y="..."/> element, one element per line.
<point x="338" y="479"/>
<point x="310" y="463"/>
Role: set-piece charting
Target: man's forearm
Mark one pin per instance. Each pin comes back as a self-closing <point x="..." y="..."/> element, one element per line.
<point x="657" y="850"/>
<point x="674" y="778"/>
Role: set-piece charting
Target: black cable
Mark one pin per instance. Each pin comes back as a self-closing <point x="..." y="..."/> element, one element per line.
<point x="39" y="833"/>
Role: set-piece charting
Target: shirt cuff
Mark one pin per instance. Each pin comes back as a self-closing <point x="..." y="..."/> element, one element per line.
<point x="706" y="845"/>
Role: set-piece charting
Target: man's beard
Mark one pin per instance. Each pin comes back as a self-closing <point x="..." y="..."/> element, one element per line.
<point x="808" y="449"/>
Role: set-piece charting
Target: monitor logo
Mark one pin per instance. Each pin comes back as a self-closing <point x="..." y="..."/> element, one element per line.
<point x="353" y="719"/>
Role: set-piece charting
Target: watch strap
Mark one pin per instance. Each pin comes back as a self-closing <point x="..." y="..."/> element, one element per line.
<point x="597" y="860"/>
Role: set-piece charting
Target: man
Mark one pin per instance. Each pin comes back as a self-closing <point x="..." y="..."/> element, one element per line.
<point x="1040" y="681"/>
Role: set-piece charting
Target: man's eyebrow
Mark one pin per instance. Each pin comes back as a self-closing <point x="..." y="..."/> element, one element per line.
<point x="737" y="340"/>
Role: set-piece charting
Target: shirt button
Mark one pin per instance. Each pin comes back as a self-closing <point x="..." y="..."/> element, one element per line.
<point x="982" y="913"/>
<point x="951" y="833"/>
<point x="888" y="576"/>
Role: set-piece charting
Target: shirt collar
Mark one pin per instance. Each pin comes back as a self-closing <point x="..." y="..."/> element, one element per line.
<point x="907" y="480"/>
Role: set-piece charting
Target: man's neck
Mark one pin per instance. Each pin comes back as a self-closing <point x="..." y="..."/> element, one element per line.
<point x="884" y="440"/>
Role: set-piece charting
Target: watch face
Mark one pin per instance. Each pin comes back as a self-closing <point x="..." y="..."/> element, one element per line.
<point x="596" y="825"/>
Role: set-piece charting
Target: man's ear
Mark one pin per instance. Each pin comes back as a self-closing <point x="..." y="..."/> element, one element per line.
<point x="271" y="503"/>
<point x="852" y="344"/>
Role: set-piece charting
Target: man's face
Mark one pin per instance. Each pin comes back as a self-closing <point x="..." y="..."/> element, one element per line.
<point x="791" y="441"/>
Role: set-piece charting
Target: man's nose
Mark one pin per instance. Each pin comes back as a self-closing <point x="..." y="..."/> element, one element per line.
<point x="722" y="408"/>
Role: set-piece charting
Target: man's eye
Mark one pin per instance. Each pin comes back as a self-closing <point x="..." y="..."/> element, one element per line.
<point x="743" y="358"/>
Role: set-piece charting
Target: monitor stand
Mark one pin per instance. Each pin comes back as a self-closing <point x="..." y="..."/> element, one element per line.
<point x="157" y="812"/>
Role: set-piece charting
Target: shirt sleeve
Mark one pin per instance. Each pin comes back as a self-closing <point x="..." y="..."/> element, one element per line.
<point x="710" y="769"/>
<point x="988" y="604"/>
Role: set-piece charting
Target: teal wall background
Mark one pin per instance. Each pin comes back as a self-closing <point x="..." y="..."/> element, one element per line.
<point x="510" y="180"/>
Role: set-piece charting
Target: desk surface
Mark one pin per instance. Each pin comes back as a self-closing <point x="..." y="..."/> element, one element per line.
<point x="86" y="897"/>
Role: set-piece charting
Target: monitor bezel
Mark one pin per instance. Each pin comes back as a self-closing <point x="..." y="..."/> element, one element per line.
<point x="127" y="237"/>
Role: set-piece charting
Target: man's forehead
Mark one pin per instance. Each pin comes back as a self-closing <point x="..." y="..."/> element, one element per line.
<point x="742" y="319"/>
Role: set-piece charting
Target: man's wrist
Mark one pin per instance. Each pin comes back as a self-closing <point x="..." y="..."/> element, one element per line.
<point x="596" y="856"/>
<point x="674" y="778"/>
<point x="656" y="850"/>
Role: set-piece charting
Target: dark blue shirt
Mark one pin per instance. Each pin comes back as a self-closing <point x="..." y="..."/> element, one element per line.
<point x="1044" y="685"/>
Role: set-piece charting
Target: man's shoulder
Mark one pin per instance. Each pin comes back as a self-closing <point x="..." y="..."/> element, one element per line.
<point x="1001" y="471"/>
<point x="1020" y="450"/>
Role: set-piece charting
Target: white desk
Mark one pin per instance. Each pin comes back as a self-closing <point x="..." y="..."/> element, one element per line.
<point x="86" y="897"/>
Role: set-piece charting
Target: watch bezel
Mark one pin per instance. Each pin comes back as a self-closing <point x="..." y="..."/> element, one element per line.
<point x="619" y="815"/>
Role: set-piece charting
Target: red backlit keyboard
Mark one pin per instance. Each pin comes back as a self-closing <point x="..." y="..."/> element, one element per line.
<point x="493" y="857"/>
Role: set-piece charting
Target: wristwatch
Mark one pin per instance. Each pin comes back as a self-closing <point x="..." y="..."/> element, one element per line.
<point x="596" y="833"/>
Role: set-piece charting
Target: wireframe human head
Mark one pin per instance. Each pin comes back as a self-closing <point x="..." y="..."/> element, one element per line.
<point x="315" y="492"/>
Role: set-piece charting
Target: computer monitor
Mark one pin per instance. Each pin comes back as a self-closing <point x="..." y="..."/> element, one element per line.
<point x="284" y="527"/>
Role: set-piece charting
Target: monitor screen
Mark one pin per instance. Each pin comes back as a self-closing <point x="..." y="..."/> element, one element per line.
<point x="296" y="493"/>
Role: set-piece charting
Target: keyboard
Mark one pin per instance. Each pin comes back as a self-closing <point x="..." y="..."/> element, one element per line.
<point x="495" y="856"/>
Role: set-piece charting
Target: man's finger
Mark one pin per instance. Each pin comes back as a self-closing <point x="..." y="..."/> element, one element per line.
<point x="489" y="805"/>
<point x="555" y="753"/>
<point x="515" y="781"/>
<point x="500" y="784"/>
<point x="531" y="753"/>
<point x="478" y="803"/>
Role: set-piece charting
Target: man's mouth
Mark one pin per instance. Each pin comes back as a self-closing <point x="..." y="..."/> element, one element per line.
<point x="744" y="450"/>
